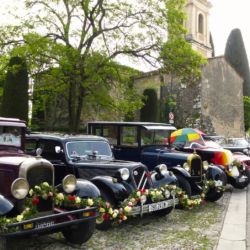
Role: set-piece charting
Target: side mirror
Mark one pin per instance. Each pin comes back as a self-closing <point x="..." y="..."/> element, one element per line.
<point x="58" y="149"/>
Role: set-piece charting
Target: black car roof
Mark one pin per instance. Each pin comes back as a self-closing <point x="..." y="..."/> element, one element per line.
<point x="65" y="137"/>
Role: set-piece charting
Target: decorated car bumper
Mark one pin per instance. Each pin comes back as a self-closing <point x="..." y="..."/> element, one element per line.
<point x="148" y="208"/>
<point x="53" y="222"/>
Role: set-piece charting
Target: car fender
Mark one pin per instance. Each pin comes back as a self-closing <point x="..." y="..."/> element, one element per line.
<point x="85" y="188"/>
<point x="108" y="185"/>
<point x="214" y="172"/>
<point x="181" y="171"/>
<point x="5" y="205"/>
<point x="167" y="179"/>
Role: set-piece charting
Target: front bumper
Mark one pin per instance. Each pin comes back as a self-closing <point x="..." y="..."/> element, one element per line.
<point x="148" y="208"/>
<point x="50" y="223"/>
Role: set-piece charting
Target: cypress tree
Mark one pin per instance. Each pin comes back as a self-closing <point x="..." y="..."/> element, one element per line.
<point x="149" y="112"/>
<point x="15" y="92"/>
<point x="235" y="54"/>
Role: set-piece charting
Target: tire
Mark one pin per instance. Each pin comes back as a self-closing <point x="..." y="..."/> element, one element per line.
<point x="102" y="224"/>
<point x="80" y="233"/>
<point x="184" y="184"/>
<point x="247" y="171"/>
<point x="213" y="195"/>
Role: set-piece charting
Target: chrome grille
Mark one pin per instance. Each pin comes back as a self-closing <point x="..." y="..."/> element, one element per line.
<point x="36" y="176"/>
<point x="196" y="167"/>
<point x="140" y="176"/>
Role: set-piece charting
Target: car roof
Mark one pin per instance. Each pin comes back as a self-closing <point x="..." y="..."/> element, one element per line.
<point x="147" y="125"/>
<point x="64" y="137"/>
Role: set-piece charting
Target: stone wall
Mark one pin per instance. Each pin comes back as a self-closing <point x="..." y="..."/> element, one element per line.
<point x="214" y="105"/>
<point x="222" y="99"/>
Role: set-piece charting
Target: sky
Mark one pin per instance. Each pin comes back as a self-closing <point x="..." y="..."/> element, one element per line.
<point x="225" y="15"/>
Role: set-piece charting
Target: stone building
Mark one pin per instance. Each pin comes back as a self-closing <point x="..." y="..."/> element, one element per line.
<point x="215" y="103"/>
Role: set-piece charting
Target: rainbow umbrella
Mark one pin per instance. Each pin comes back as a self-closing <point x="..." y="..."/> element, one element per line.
<point x="184" y="135"/>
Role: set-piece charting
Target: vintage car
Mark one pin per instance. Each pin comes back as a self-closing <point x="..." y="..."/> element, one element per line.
<point x="19" y="173"/>
<point x="232" y="144"/>
<point x="149" y="143"/>
<point x="91" y="157"/>
<point x="235" y="164"/>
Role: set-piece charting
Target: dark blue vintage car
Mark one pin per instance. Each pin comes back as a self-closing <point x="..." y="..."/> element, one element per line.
<point x="149" y="143"/>
<point x="90" y="157"/>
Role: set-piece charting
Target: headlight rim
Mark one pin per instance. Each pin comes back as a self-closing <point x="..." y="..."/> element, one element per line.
<point x="121" y="174"/>
<point x="66" y="188"/>
<point x="15" y="182"/>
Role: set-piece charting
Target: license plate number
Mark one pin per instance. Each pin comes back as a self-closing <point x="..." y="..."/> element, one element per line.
<point x="158" y="206"/>
<point x="44" y="224"/>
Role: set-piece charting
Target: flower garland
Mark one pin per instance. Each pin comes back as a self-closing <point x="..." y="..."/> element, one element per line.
<point x="106" y="213"/>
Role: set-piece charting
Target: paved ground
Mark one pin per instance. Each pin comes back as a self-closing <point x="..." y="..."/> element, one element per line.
<point x="197" y="229"/>
<point x="248" y="220"/>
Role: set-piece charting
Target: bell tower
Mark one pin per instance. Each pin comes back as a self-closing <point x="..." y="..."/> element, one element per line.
<point x="197" y="25"/>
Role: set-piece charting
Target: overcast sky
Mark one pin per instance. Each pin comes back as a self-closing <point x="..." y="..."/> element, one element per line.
<point x="226" y="15"/>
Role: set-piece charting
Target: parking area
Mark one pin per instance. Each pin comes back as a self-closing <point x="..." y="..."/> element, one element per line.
<point x="198" y="228"/>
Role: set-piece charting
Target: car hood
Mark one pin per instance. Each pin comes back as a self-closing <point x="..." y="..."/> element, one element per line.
<point x="114" y="164"/>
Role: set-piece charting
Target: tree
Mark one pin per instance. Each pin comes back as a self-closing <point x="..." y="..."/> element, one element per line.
<point x="177" y="56"/>
<point x="235" y="54"/>
<point x="15" y="93"/>
<point x="179" y="60"/>
<point x="247" y="112"/>
<point x="82" y="38"/>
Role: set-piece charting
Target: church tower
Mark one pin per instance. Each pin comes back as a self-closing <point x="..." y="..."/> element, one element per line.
<point x="197" y="25"/>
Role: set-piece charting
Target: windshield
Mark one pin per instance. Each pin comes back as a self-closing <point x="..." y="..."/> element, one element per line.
<point x="155" y="137"/>
<point x="85" y="148"/>
<point x="10" y="136"/>
<point x="234" y="142"/>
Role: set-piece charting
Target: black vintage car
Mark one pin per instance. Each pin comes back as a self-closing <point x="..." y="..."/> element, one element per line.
<point x="91" y="157"/>
<point x="149" y="143"/>
<point x="19" y="173"/>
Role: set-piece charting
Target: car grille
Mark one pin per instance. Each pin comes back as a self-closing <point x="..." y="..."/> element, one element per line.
<point x="140" y="176"/>
<point x="36" y="176"/>
<point x="196" y="167"/>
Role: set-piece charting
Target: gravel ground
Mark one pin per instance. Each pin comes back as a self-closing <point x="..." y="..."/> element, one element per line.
<point x="198" y="228"/>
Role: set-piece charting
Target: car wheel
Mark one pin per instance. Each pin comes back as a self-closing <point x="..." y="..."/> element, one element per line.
<point x="102" y="224"/>
<point x="80" y="233"/>
<point x="184" y="184"/>
<point x="213" y="194"/>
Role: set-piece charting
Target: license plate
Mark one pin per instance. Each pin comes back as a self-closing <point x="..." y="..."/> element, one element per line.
<point x="44" y="224"/>
<point x="158" y="206"/>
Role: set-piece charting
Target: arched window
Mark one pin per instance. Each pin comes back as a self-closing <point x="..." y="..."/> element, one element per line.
<point x="200" y="23"/>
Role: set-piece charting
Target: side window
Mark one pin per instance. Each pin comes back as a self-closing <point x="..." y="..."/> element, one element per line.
<point x="110" y="132"/>
<point x="48" y="148"/>
<point x="30" y="147"/>
<point x="129" y="136"/>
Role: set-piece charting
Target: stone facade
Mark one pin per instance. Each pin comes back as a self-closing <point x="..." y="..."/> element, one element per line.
<point x="214" y="105"/>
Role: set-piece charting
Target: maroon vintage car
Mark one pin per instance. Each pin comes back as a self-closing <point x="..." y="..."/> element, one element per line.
<point x="19" y="173"/>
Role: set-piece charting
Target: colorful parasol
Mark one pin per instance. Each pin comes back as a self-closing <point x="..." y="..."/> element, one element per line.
<point x="184" y="135"/>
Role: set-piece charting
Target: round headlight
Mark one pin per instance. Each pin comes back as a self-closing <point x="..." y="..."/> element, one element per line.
<point x="186" y="166"/>
<point x="167" y="194"/>
<point x="163" y="169"/>
<point x="205" y="165"/>
<point x="69" y="183"/>
<point x="20" y="188"/>
<point x="124" y="173"/>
